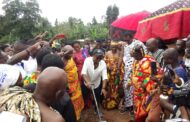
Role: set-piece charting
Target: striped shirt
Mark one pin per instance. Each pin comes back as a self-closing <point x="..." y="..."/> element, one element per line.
<point x="158" y="55"/>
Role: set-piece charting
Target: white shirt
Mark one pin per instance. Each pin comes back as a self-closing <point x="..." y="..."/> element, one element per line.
<point x="127" y="59"/>
<point x="94" y="74"/>
<point x="9" y="75"/>
<point x="7" y="116"/>
<point x="27" y="67"/>
<point x="187" y="62"/>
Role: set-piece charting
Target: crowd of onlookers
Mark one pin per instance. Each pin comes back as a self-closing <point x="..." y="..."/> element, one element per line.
<point x="52" y="82"/>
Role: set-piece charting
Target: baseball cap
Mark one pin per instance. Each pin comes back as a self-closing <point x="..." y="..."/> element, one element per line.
<point x="98" y="52"/>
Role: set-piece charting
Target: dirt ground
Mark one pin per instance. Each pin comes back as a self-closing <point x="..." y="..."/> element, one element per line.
<point x="109" y="116"/>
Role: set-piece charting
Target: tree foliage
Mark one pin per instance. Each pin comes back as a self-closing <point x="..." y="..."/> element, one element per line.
<point x="21" y="20"/>
<point x="111" y="14"/>
<point x="75" y="29"/>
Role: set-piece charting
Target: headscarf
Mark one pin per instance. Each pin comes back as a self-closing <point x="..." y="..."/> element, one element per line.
<point x="138" y="49"/>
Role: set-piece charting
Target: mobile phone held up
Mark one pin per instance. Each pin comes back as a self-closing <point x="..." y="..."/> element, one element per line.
<point x="153" y="68"/>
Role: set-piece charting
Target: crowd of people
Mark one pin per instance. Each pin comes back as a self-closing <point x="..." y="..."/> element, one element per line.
<point x="48" y="83"/>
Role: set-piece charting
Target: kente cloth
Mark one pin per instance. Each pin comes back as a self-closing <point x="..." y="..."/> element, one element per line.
<point x="30" y="79"/>
<point x="17" y="100"/>
<point x="143" y="85"/>
<point x="128" y="62"/>
<point x="74" y="87"/>
<point x="79" y="58"/>
<point x="114" y="82"/>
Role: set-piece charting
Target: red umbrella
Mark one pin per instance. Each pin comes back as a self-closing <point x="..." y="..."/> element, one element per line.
<point x="168" y="23"/>
<point x="127" y="23"/>
<point x="130" y="22"/>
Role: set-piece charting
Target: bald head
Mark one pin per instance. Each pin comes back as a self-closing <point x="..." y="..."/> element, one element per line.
<point x="51" y="83"/>
<point x="152" y="41"/>
<point x="172" y="52"/>
<point x="67" y="48"/>
<point x="67" y="51"/>
<point x="170" y="56"/>
<point x="152" y="45"/>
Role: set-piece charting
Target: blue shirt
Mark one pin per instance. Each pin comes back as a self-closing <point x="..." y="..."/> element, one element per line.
<point x="181" y="72"/>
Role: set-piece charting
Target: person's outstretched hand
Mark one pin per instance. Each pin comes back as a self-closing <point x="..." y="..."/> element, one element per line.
<point x="36" y="47"/>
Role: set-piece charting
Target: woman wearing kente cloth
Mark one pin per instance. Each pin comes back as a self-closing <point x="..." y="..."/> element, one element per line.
<point x="73" y="81"/>
<point x="145" y="96"/>
<point x="114" y="79"/>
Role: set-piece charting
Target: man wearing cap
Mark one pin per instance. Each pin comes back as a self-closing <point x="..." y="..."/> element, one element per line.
<point x="94" y="69"/>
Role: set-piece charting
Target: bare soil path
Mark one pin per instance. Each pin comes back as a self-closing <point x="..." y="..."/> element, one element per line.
<point x="109" y="116"/>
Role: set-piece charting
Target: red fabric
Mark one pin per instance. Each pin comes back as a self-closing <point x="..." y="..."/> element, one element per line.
<point x="130" y="22"/>
<point x="79" y="61"/>
<point x="171" y="26"/>
<point x="144" y="31"/>
<point x="60" y="36"/>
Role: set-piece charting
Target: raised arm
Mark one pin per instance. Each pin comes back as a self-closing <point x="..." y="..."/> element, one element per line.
<point x="25" y="54"/>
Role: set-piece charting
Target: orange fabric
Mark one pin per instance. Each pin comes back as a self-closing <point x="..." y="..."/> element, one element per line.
<point x="74" y="86"/>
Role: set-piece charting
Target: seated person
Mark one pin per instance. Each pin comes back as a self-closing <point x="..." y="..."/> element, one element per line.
<point x="36" y="107"/>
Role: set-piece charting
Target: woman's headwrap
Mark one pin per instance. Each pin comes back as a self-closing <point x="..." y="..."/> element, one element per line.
<point x="138" y="49"/>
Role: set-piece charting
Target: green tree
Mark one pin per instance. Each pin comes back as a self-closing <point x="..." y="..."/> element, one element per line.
<point x="94" y="21"/>
<point x="56" y="22"/>
<point x="99" y="31"/>
<point x="109" y="15"/>
<point x="112" y="13"/>
<point x="42" y="26"/>
<point x="115" y="12"/>
<point x="21" y="20"/>
<point x="75" y="29"/>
